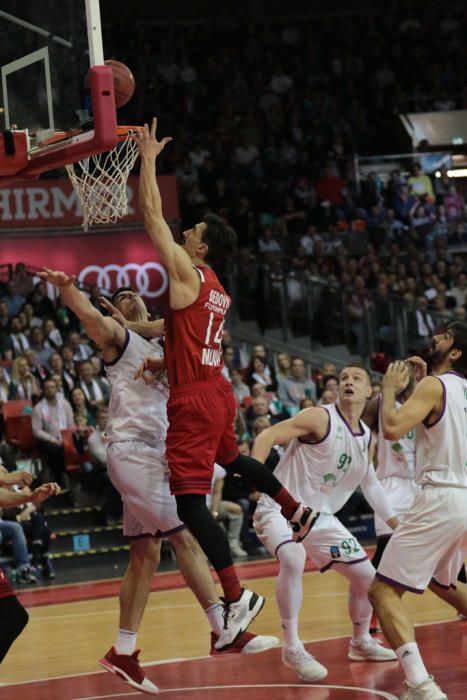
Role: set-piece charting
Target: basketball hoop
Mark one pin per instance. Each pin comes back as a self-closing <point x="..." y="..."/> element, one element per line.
<point x="100" y="180"/>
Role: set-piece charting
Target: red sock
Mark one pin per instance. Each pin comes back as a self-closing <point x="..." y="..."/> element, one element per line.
<point x="287" y="502"/>
<point x="230" y="583"/>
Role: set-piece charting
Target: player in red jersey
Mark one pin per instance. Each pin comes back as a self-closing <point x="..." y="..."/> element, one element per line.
<point x="13" y="617"/>
<point x="202" y="406"/>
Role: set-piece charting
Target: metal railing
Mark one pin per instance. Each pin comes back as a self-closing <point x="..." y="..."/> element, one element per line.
<point x="318" y="311"/>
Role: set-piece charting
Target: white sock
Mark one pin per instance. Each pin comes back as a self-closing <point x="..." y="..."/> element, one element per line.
<point x="360" y="633"/>
<point x="289" y="590"/>
<point x="290" y="633"/>
<point x="214" y="615"/>
<point x="412" y="664"/>
<point x="126" y="642"/>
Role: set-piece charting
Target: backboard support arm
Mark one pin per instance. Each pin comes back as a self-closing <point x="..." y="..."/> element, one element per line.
<point x="93" y="19"/>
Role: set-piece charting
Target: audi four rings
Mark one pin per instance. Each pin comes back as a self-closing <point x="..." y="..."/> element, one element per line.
<point x="106" y="280"/>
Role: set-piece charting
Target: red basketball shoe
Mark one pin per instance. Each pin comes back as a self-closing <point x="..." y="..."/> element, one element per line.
<point x="246" y="644"/>
<point x="127" y="666"/>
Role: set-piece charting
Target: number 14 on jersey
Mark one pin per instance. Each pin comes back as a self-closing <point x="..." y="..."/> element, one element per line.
<point x="212" y="355"/>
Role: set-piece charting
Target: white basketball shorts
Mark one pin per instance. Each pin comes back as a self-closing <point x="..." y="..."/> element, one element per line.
<point x="327" y="543"/>
<point x="401" y="494"/>
<point x="139" y="473"/>
<point x="430" y="542"/>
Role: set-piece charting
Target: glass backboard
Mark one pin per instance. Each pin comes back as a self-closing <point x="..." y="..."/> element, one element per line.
<point x="44" y="56"/>
<point x="46" y="51"/>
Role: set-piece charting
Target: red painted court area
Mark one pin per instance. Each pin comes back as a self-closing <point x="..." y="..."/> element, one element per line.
<point x="71" y="593"/>
<point x="264" y="677"/>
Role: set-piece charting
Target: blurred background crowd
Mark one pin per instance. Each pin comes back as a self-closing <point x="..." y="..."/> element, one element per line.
<point x="267" y="118"/>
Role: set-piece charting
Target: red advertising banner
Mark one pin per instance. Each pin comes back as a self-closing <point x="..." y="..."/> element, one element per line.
<point x="54" y="203"/>
<point x="109" y="259"/>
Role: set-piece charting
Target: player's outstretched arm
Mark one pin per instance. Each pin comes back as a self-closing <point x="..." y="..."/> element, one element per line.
<point x="427" y="398"/>
<point x="310" y="421"/>
<point x="150" y="329"/>
<point x="106" y="332"/>
<point x="377" y="498"/>
<point x="175" y="259"/>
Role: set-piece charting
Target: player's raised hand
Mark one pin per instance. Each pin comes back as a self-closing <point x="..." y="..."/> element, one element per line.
<point x="420" y="367"/>
<point x="150" y="369"/>
<point x="396" y="377"/>
<point x="113" y="311"/>
<point x="57" y="277"/>
<point x="42" y="493"/>
<point x="146" y="140"/>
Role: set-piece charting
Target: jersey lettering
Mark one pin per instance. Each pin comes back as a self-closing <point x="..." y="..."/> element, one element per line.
<point x="211" y="357"/>
<point x="193" y="335"/>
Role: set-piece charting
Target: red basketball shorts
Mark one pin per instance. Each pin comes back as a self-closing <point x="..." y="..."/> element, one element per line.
<point x="200" y="432"/>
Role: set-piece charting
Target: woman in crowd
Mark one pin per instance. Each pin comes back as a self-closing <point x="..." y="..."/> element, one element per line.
<point x="81" y="406"/>
<point x="27" y="385"/>
<point x="260" y="373"/>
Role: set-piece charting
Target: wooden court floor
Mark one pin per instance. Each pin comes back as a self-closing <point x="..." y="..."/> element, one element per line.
<point x="56" y="656"/>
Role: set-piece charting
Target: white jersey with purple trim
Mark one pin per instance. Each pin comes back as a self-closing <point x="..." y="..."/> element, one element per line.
<point x="324" y="474"/>
<point x="441" y="458"/>
<point x="395" y="457"/>
<point x="137" y="411"/>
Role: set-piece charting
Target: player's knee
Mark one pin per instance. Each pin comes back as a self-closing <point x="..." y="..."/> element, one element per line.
<point x="238" y="461"/>
<point x="22" y="619"/>
<point x="17" y="619"/>
<point x="145" y="552"/>
<point x="189" y="507"/>
<point x="184" y="540"/>
<point x="292" y="558"/>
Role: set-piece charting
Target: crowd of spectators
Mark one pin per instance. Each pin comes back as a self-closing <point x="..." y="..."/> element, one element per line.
<point x="48" y="361"/>
<point x="266" y="118"/>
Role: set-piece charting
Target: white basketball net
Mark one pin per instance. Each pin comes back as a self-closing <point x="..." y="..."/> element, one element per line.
<point x="100" y="182"/>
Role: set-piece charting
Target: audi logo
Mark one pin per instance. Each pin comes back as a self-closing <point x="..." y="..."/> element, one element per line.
<point x="112" y="276"/>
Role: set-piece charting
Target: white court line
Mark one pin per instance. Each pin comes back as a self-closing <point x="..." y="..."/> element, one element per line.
<point x="161" y="662"/>
<point x="378" y="693"/>
<point x="67" y="616"/>
<point x="165" y="591"/>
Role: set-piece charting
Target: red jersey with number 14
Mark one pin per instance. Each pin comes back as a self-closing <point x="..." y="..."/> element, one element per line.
<point x="193" y="335"/>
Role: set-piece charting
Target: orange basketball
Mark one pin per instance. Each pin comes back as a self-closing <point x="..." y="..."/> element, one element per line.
<point x="124" y="82"/>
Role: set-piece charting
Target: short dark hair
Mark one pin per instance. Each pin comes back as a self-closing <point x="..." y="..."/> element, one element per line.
<point x="357" y="365"/>
<point x="327" y="377"/>
<point x="119" y="291"/>
<point x="220" y="238"/>
<point x="459" y="331"/>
